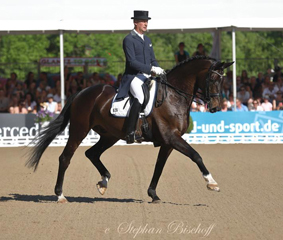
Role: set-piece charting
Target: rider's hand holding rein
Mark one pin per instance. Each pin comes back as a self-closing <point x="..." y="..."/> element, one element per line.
<point x="157" y="70"/>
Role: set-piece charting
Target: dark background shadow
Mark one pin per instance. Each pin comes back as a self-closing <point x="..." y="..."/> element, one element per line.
<point x="52" y="198"/>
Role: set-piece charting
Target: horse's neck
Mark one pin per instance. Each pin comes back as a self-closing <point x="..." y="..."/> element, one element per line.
<point x="184" y="77"/>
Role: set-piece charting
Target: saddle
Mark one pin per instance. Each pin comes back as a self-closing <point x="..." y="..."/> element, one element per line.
<point x="120" y="108"/>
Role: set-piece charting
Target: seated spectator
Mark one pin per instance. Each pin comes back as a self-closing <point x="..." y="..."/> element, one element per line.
<point x="194" y="107"/>
<point x="181" y="55"/>
<point x="244" y="77"/>
<point x="240" y="107"/>
<point x="230" y="101"/>
<point x="260" y="78"/>
<point x="200" y="51"/>
<point x="256" y="106"/>
<point x="118" y="82"/>
<point x="243" y="95"/>
<point x="201" y="108"/>
<point x="88" y="83"/>
<point x="108" y="79"/>
<point x="266" y="82"/>
<point x="248" y="89"/>
<point x="278" y="101"/>
<point x="73" y="88"/>
<point x="18" y="90"/>
<point x="31" y="89"/>
<point x="30" y="79"/>
<point x="57" y="96"/>
<point x="279" y="84"/>
<point x="96" y="79"/>
<point x="250" y="104"/>
<point x="269" y="73"/>
<point x="11" y="84"/>
<point x="46" y="82"/>
<point x="239" y="83"/>
<point x="277" y="74"/>
<point x="266" y="105"/>
<point x="229" y="79"/>
<point x="51" y="105"/>
<point x="81" y="81"/>
<point x="224" y="107"/>
<point x="30" y="105"/>
<point x="59" y="109"/>
<point x="42" y="87"/>
<point x="225" y="90"/>
<point x="255" y="87"/>
<point x="14" y="105"/>
<point x="42" y="98"/>
<point x="270" y="91"/>
<point x="4" y="102"/>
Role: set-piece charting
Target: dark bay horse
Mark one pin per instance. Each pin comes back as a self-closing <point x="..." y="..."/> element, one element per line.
<point x="90" y="109"/>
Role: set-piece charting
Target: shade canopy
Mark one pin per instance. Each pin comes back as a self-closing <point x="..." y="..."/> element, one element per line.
<point x="50" y="16"/>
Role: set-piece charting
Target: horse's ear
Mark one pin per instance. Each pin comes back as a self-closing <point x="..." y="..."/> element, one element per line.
<point x="218" y="66"/>
<point x="225" y="65"/>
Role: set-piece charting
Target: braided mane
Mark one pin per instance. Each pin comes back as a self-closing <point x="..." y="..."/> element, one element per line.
<point x="191" y="59"/>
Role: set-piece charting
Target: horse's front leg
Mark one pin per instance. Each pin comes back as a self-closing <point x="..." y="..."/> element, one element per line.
<point x="163" y="155"/>
<point x="178" y="143"/>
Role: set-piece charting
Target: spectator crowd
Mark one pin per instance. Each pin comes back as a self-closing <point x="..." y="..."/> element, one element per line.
<point x="255" y="93"/>
<point x="34" y="94"/>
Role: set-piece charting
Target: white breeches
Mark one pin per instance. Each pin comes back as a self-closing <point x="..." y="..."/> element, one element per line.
<point x="136" y="87"/>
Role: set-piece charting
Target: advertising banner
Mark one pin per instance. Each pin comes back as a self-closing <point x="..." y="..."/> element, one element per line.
<point x="221" y="127"/>
<point x="74" y="61"/>
<point x="238" y="122"/>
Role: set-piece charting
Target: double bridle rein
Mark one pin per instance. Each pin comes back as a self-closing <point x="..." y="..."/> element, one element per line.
<point x="205" y="97"/>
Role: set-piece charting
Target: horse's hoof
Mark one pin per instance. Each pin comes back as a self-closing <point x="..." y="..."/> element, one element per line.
<point x="213" y="187"/>
<point x="156" y="201"/>
<point x="101" y="188"/>
<point x="62" y="199"/>
<point x="211" y="183"/>
<point x="102" y="185"/>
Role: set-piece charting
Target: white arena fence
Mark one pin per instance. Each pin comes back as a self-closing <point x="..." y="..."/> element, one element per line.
<point x="225" y="128"/>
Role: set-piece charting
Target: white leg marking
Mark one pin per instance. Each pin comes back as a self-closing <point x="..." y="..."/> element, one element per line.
<point x="211" y="183"/>
<point x="104" y="181"/>
<point x="62" y="199"/>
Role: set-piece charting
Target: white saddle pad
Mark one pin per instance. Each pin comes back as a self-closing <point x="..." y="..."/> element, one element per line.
<point x="120" y="108"/>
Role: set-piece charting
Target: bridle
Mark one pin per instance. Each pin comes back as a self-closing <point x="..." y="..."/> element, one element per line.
<point x="208" y="95"/>
<point x="205" y="97"/>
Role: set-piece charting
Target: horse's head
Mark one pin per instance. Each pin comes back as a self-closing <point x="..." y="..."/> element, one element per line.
<point x="213" y="85"/>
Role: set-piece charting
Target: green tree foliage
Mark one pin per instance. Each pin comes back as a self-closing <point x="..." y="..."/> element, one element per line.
<point x="256" y="51"/>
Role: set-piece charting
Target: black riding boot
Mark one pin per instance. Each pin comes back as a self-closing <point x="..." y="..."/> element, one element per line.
<point x="132" y="121"/>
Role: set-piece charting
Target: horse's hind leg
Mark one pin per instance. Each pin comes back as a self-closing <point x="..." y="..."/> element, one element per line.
<point x="64" y="160"/>
<point x="94" y="153"/>
<point x="178" y="143"/>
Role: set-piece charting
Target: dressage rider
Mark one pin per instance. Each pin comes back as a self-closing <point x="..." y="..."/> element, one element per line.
<point x="140" y="62"/>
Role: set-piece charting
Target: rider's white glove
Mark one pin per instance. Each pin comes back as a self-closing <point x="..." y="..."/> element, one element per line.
<point x="157" y="70"/>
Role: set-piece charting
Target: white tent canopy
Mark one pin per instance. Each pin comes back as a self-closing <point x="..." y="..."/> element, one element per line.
<point x="49" y="16"/>
<point x="85" y="16"/>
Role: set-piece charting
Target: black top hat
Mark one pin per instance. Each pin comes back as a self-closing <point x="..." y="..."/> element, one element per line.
<point x="141" y="15"/>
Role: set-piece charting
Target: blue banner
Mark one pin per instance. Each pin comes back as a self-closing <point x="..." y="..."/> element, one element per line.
<point x="237" y="122"/>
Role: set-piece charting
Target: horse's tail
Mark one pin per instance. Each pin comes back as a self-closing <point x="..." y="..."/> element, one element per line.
<point x="46" y="136"/>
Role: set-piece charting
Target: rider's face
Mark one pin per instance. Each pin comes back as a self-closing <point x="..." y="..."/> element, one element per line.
<point x="141" y="26"/>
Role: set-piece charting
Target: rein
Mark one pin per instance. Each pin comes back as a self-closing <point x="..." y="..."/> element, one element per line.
<point x="204" y="97"/>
